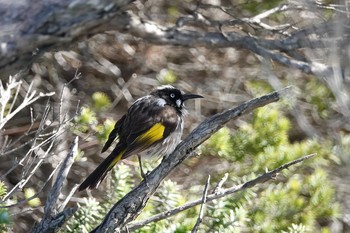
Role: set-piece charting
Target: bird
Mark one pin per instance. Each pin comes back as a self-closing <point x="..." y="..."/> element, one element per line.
<point x="152" y="126"/>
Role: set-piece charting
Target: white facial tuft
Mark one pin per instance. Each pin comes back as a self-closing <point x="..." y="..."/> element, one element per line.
<point x="161" y="102"/>
<point x="178" y="103"/>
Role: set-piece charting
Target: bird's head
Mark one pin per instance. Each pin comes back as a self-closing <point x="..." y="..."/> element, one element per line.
<point x="172" y="96"/>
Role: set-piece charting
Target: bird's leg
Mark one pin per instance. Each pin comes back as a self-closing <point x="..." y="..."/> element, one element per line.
<point x="143" y="175"/>
<point x="140" y="163"/>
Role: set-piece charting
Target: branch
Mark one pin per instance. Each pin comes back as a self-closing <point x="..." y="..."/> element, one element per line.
<point x="28" y="30"/>
<point x="269" y="48"/>
<point x="128" y="208"/>
<point x="199" y="19"/>
<point x="201" y="211"/>
<point x="52" y="221"/>
<point x="216" y="195"/>
<point x="218" y="187"/>
<point x="5" y="97"/>
<point x="63" y="24"/>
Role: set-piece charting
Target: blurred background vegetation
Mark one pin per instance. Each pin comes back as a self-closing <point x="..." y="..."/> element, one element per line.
<point x="98" y="79"/>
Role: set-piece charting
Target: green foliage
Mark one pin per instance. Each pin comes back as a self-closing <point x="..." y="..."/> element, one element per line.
<point x="170" y="192"/>
<point x="258" y="87"/>
<point x="85" y="120"/>
<point x="256" y="7"/>
<point x="3" y="189"/>
<point x="167" y="197"/>
<point x="268" y="130"/>
<point x="89" y="121"/>
<point x="100" y="101"/>
<point x="292" y="205"/>
<point x="28" y="193"/>
<point x="121" y="182"/>
<point x="342" y="150"/>
<point x="220" y="143"/>
<point x="86" y="218"/>
<point x="230" y="220"/>
<point x="166" y="76"/>
<point x="4" y="214"/>
<point x="319" y="96"/>
<point x="299" y="201"/>
<point x="104" y="129"/>
<point x="297" y="228"/>
<point x="92" y="211"/>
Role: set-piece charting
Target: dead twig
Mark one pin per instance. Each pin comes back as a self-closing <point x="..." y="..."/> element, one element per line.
<point x="51" y="221"/>
<point x="201" y="210"/>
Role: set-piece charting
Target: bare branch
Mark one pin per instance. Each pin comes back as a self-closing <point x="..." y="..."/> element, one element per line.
<point x="36" y="28"/>
<point x="218" y="187"/>
<point x="31" y="171"/>
<point x="198" y="18"/>
<point x="201" y="210"/>
<point x="269" y="48"/>
<point x="49" y="223"/>
<point x="21" y="202"/>
<point x="5" y="94"/>
<point x="48" y="32"/>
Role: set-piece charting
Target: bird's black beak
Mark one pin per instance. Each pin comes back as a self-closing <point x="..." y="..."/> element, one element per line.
<point x="190" y="96"/>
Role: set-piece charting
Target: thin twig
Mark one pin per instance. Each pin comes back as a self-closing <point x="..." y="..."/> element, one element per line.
<point x="218" y="187"/>
<point x="15" y="97"/>
<point x="201" y="210"/>
<point x="48" y="223"/>
<point x="35" y="195"/>
<point x="68" y="198"/>
<point x="61" y="176"/>
<point x="77" y="76"/>
<point x="30" y="98"/>
<point x="25" y="180"/>
<point x="121" y="92"/>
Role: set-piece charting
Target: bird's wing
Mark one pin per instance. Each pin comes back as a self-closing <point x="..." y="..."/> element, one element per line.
<point x="145" y="125"/>
<point x="125" y="126"/>
<point x="114" y="134"/>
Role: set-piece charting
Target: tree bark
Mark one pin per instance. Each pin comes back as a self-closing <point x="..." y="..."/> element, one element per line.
<point x="30" y="28"/>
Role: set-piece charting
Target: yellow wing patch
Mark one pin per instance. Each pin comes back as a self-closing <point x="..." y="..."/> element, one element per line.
<point x="155" y="133"/>
<point x="114" y="161"/>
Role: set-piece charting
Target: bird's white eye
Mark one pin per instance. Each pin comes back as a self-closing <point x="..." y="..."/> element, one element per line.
<point x="172" y="95"/>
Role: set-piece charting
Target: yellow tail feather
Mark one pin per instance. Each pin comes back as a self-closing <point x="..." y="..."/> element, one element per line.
<point x="116" y="160"/>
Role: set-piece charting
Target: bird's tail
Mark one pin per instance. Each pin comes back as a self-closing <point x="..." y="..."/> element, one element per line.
<point x="95" y="178"/>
